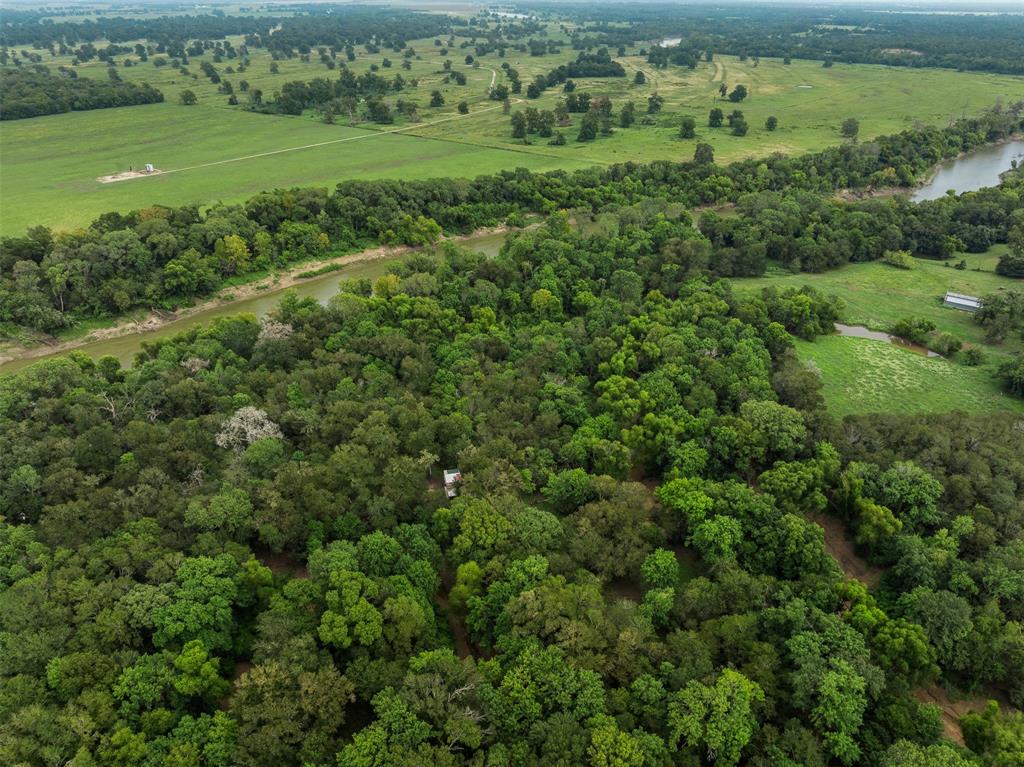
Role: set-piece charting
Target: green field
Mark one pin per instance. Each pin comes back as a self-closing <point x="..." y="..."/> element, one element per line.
<point x="864" y="376"/>
<point x="51" y="164"/>
<point x="48" y="179"/>
<point x="877" y="295"/>
<point x="809" y="101"/>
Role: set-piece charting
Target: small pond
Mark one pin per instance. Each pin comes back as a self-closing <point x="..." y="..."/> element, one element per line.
<point x="974" y="171"/>
<point x="859" y="331"/>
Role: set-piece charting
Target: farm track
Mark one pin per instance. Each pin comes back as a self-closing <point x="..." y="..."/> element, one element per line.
<point x="273" y="152"/>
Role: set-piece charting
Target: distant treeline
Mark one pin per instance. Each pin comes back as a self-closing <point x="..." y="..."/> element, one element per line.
<point x="35" y="92"/>
<point x="332" y="27"/>
<point x="962" y="41"/>
<point x="597" y="64"/>
<point x="39" y="29"/>
<point x="162" y="256"/>
<point x="385" y="27"/>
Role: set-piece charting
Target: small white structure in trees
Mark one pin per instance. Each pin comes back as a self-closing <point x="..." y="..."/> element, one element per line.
<point x="452" y="478"/>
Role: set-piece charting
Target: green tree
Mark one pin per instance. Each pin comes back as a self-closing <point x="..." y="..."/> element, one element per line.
<point x="1012" y="374"/>
<point x="704" y="154"/>
<point x="661" y="569"/>
<point x="588" y="127"/>
<point x="610" y="747"/>
<point x="738" y="94"/>
<point x="518" y="125"/>
<point x="719" y="718"/>
<point x="688" y="128"/>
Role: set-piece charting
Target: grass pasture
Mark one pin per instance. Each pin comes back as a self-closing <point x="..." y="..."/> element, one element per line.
<point x="48" y="178"/>
<point x="50" y="164"/>
<point x="861" y="375"/>
<point x="877" y="295"/>
<point x="865" y="376"/>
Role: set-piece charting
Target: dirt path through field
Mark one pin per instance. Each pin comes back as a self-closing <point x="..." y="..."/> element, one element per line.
<point x="119" y="178"/>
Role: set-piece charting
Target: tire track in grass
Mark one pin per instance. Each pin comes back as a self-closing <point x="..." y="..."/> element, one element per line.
<point x="367" y="135"/>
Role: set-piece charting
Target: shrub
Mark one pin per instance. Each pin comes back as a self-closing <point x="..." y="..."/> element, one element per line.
<point x="901" y="259"/>
<point x="913" y="329"/>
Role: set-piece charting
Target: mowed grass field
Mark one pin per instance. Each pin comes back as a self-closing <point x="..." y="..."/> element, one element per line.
<point x="862" y="375"/>
<point x="50" y="164"/>
<point x="809" y="101"/>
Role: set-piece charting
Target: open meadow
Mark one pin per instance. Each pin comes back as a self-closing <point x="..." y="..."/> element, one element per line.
<point x="862" y="375"/>
<point x="52" y="163"/>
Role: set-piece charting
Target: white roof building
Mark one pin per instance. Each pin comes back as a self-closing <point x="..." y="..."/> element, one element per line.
<point x="452" y="478"/>
<point x="961" y="302"/>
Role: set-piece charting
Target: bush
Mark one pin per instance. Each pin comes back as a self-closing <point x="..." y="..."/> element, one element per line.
<point x="1012" y="373"/>
<point x="972" y="356"/>
<point x="901" y="259"/>
<point x="946" y="344"/>
<point x="913" y="329"/>
<point x="1011" y="265"/>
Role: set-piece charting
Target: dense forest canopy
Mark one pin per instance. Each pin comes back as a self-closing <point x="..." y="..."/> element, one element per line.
<point x="238" y="551"/>
<point x="659" y="548"/>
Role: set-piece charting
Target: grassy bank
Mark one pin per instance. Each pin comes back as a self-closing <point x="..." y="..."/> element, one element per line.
<point x="861" y="375"/>
<point x="877" y="295"/>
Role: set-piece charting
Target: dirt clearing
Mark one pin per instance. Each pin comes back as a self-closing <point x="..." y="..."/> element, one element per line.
<point x="841" y="548"/>
<point x="128" y="175"/>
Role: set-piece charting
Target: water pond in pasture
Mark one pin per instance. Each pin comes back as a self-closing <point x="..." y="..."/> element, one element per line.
<point x="859" y="331"/>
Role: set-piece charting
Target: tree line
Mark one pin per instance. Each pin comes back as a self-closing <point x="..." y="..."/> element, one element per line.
<point x="164" y="256"/>
<point x="987" y="43"/>
<point x="33" y="92"/>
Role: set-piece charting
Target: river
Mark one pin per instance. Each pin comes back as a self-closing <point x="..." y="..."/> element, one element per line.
<point x="321" y="288"/>
<point x="974" y="171"/>
<point x="971" y="172"/>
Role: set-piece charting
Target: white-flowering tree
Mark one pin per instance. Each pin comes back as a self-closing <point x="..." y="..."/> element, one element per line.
<point x="272" y="330"/>
<point x="247" y="425"/>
